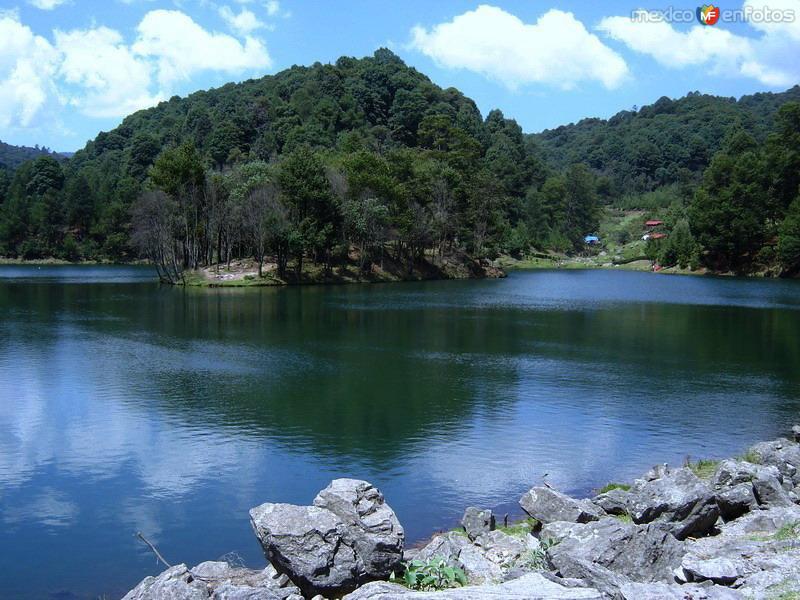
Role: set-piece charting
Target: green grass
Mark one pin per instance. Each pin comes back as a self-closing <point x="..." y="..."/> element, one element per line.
<point x="788" y="532"/>
<point x="751" y="457"/>
<point x="519" y="529"/>
<point x="613" y="486"/>
<point x="703" y="468"/>
<point x="625" y="518"/>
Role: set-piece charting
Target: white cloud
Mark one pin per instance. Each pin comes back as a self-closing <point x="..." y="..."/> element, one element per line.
<point x="556" y="50"/>
<point x="46" y="4"/>
<point x="716" y="48"/>
<point x="789" y="26"/>
<point x="27" y="65"/>
<point x="112" y="81"/>
<point x="243" y="23"/>
<point x="101" y="75"/>
<point x="181" y="48"/>
<point x="273" y="7"/>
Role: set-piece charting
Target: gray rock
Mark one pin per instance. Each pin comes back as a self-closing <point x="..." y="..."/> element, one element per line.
<point x="663" y="591"/>
<point x="781" y="453"/>
<point x="614" y="502"/>
<point x="547" y="505"/>
<point x="349" y="537"/>
<point x="796" y="433"/>
<point x="216" y="581"/>
<point x="176" y="583"/>
<point x="532" y="586"/>
<point x="372" y="526"/>
<point x="491" y="557"/>
<point x="641" y="553"/>
<point x="720" y="570"/>
<point x="730" y="473"/>
<point x="476" y="521"/>
<point x="769" y="491"/>
<point x="736" y="501"/>
<point x="678" y="498"/>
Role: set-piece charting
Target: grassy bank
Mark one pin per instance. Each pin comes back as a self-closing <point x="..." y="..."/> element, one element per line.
<point x="244" y="273"/>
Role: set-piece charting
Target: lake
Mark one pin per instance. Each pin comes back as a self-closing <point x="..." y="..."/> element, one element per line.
<point x="129" y="406"/>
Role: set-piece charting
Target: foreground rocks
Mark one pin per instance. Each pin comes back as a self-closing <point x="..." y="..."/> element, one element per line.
<point x="217" y="580"/>
<point x="730" y="535"/>
<point x="350" y="536"/>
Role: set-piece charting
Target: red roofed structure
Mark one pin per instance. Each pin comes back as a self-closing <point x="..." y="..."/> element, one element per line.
<point x="653" y="223"/>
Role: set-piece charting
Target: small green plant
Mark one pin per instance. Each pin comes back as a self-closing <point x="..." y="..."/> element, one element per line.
<point x="520" y="528"/>
<point x="625" y="518"/>
<point x="751" y="457"/>
<point x="433" y="574"/>
<point x="788" y="532"/>
<point x="703" y="468"/>
<point x="536" y="559"/>
<point x="613" y="486"/>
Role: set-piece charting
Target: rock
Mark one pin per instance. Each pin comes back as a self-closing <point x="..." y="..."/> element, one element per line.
<point x="641" y="553"/>
<point x="218" y="581"/>
<point x="176" y="583"/>
<point x="796" y="433"/>
<point x="720" y="570"/>
<point x="349" y="537"/>
<point x="614" y="502"/>
<point x="489" y="559"/>
<point x="372" y="526"/>
<point x="736" y="501"/>
<point x="730" y="473"/>
<point x="533" y="586"/>
<point x="781" y="453"/>
<point x="476" y="521"/>
<point x="662" y="591"/>
<point x="547" y="505"/>
<point x="769" y="490"/>
<point x="678" y="498"/>
<point x="755" y="549"/>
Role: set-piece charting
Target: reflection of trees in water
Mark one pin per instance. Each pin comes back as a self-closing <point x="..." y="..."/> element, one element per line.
<point x="370" y="372"/>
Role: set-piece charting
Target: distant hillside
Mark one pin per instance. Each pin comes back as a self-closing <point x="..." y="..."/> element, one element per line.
<point x="12" y="157"/>
<point x="663" y="143"/>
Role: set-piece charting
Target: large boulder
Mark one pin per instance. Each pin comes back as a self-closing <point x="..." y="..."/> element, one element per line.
<point x="664" y="591"/>
<point x="216" y="581"/>
<point x="490" y="558"/>
<point x="676" y="497"/>
<point x="735" y="501"/>
<point x="614" y="501"/>
<point x="476" y="521"/>
<point x="349" y="537"/>
<point x="547" y="505"/>
<point x="640" y="553"/>
<point x="781" y="453"/>
<point x="533" y="586"/>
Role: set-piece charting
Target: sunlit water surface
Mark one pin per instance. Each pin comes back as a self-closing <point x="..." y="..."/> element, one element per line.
<point x="127" y="406"/>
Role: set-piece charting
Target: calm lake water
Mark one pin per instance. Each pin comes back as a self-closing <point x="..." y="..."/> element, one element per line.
<point x="127" y="406"/>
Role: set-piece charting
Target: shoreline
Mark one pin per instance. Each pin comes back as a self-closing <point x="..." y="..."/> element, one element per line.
<point x="495" y="269"/>
<point x="724" y="529"/>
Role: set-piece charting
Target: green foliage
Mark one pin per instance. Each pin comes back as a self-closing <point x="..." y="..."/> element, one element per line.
<point x="433" y="574"/>
<point x="789" y="531"/>
<point x="789" y="239"/>
<point x="614" y="486"/>
<point x="703" y="468"/>
<point x="521" y="528"/>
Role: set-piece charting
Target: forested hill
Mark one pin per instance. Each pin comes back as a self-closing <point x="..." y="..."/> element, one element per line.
<point x="663" y="143"/>
<point x="13" y="156"/>
<point x="366" y="157"/>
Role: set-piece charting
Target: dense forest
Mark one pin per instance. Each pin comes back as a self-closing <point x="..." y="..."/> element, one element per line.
<point x="361" y="159"/>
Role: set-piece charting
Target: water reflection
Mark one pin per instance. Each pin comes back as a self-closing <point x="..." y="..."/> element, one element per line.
<point x="129" y="406"/>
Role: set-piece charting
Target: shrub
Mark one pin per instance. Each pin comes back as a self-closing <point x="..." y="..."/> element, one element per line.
<point x="613" y="486"/>
<point x="433" y="574"/>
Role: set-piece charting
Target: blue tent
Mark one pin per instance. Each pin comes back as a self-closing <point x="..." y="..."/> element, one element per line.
<point x="591" y="239"/>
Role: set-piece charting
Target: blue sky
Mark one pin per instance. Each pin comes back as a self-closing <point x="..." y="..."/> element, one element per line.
<point x="72" y="68"/>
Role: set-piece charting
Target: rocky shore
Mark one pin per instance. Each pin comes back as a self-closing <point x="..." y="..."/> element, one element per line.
<point x="730" y="530"/>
